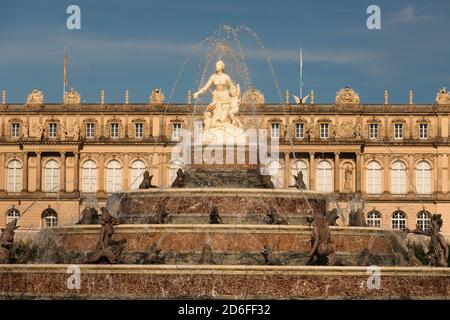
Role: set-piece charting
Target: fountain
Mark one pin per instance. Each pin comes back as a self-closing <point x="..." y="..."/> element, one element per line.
<point x="221" y="224"/>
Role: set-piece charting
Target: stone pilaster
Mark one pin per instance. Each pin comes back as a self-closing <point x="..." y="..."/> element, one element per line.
<point x="25" y="172"/>
<point x="62" y="176"/>
<point x="38" y="171"/>
<point x="336" y="172"/>
<point x="312" y="171"/>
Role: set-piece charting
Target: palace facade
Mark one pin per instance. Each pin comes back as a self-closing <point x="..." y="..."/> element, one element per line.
<point x="56" y="158"/>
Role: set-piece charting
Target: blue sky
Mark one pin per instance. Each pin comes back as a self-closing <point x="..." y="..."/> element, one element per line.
<point x="141" y="45"/>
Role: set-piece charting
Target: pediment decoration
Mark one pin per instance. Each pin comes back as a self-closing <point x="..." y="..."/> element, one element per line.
<point x="443" y="96"/>
<point x="347" y="95"/>
<point x="72" y="97"/>
<point x="157" y="96"/>
<point x="253" y="96"/>
<point x="35" y="97"/>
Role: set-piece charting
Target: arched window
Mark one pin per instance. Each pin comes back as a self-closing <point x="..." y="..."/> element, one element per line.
<point x="51" y="176"/>
<point x="398" y="178"/>
<point x="113" y="176"/>
<point x="423" y="178"/>
<point x="137" y="171"/>
<point x="12" y="214"/>
<point x="303" y="167"/>
<point x="274" y="169"/>
<point x="423" y="221"/>
<point x="14" y="176"/>
<point x="324" y="177"/>
<point x="399" y="220"/>
<point x="89" y="176"/>
<point x="373" y="178"/>
<point x="50" y="218"/>
<point x="374" y="219"/>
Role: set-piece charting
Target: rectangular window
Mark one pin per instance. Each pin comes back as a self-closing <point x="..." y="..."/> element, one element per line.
<point x="373" y="131"/>
<point x="275" y="132"/>
<point x="52" y="130"/>
<point x="299" y="130"/>
<point x="90" y="130"/>
<point x="176" y="131"/>
<point x="398" y="131"/>
<point x="324" y="130"/>
<point x="423" y="131"/>
<point x="138" y="130"/>
<point x="114" y="130"/>
<point x="15" y="130"/>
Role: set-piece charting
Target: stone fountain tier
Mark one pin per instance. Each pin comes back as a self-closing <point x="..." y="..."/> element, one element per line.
<point x="222" y="282"/>
<point x="235" y="205"/>
<point x="236" y="244"/>
<point x="224" y="177"/>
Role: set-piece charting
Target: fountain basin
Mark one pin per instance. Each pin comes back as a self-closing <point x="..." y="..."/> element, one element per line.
<point x="221" y="282"/>
<point x="235" y="244"/>
<point x="235" y="205"/>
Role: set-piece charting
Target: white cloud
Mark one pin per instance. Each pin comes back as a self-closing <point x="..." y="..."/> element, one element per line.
<point x="408" y="15"/>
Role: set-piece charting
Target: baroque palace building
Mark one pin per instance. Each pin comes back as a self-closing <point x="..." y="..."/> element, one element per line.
<point x="56" y="157"/>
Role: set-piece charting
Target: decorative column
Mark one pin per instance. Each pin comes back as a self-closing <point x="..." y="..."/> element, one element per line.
<point x="101" y="173"/>
<point x="161" y="168"/>
<point x="2" y="171"/>
<point x="126" y="170"/>
<point x="312" y="171"/>
<point x="62" y="176"/>
<point x="25" y="172"/>
<point x="411" y="178"/>
<point x="386" y="169"/>
<point x="76" y="172"/>
<point x="358" y="172"/>
<point x="38" y="170"/>
<point x="436" y="174"/>
<point x="287" y="166"/>
<point x="336" y="172"/>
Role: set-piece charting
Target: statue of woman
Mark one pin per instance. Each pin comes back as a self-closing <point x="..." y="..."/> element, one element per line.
<point x="218" y="111"/>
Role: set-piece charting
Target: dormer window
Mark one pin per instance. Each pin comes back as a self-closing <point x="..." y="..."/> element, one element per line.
<point x="15" y="130"/>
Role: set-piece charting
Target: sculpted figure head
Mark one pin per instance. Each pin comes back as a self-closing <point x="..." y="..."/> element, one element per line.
<point x="220" y="66"/>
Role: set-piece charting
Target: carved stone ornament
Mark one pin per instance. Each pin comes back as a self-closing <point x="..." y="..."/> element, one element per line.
<point x="253" y="96"/>
<point x="347" y="95"/>
<point x="72" y="97"/>
<point x="35" y="97"/>
<point x="157" y="97"/>
<point x="346" y="129"/>
<point x="443" y="96"/>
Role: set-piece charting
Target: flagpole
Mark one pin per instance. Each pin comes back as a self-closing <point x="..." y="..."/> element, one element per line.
<point x="301" y="73"/>
<point x="65" y="72"/>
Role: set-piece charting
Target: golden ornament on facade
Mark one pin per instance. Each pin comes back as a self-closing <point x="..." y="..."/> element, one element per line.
<point x="157" y="97"/>
<point x="35" y="97"/>
<point x="347" y="95"/>
<point x="443" y="96"/>
<point x="72" y="97"/>
<point x="253" y="96"/>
